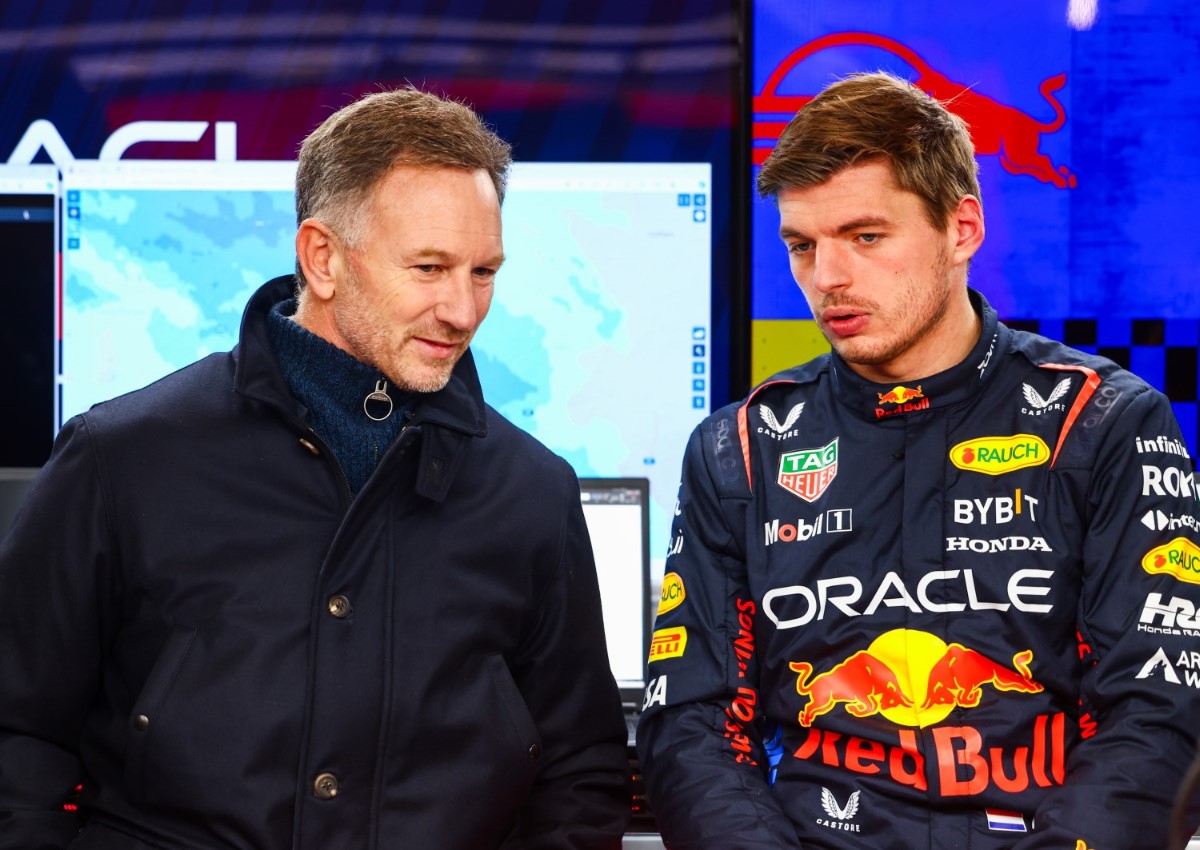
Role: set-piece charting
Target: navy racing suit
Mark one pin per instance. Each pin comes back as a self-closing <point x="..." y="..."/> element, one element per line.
<point x="959" y="613"/>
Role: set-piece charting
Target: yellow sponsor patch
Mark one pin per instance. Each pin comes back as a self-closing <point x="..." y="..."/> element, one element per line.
<point x="672" y="593"/>
<point x="1180" y="558"/>
<point x="998" y="455"/>
<point x="668" y="643"/>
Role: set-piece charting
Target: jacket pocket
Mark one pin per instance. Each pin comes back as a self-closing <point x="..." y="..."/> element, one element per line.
<point x="150" y="705"/>
<point x="512" y="707"/>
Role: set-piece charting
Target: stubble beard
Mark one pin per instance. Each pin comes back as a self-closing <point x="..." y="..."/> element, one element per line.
<point x="914" y="317"/>
<point x="373" y="344"/>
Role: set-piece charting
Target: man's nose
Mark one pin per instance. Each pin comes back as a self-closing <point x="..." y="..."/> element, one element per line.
<point x="456" y="303"/>
<point x="831" y="267"/>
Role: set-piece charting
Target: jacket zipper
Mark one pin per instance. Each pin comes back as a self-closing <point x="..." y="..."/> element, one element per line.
<point x="347" y="493"/>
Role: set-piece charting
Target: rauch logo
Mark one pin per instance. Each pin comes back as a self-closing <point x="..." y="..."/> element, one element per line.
<point x="673" y="593"/>
<point x="1179" y="558"/>
<point x="998" y="455"/>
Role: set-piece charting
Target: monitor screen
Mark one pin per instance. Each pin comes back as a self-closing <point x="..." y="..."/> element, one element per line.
<point x="28" y="232"/>
<point x="160" y="258"/>
<point x="617" y="518"/>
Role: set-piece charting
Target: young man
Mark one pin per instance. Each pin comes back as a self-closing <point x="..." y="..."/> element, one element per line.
<point x="921" y="603"/>
<point x="315" y="593"/>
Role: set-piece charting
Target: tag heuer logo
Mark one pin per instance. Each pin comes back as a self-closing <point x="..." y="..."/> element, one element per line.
<point x="808" y="472"/>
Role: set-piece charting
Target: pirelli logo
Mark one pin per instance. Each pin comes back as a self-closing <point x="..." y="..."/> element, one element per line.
<point x="668" y="643"/>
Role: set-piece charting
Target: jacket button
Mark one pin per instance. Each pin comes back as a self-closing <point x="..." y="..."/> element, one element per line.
<point x="339" y="606"/>
<point x="308" y="444"/>
<point x="325" y="786"/>
<point x="535" y="752"/>
<point x="141" y="723"/>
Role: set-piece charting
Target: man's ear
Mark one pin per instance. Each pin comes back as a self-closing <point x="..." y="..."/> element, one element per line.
<point x="966" y="229"/>
<point x="319" y="253"/>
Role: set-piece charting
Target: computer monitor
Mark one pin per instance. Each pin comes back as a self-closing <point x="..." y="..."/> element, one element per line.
<point x="617" y="515"/>
<point x="28" y="243"/>
<point x="598" y="341"/>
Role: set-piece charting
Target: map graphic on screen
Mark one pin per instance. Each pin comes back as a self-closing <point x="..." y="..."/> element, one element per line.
<point x="598" y="339"/>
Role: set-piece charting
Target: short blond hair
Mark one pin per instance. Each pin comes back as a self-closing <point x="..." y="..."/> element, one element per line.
<point x="877" y="117"/>
<point x="344" y="159"/>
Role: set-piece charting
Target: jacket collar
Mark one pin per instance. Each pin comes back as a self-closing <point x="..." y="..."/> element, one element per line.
<point x="953" y="386"/>
<point x="458" y="406"/>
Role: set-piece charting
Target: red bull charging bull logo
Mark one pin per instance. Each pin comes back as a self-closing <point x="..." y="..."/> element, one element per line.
<point x="912" y="678"/>
<point x="997" y="129"/>
<point x="899" y="395"/>
<point x="915" y="679"/>
<point x="905" y="399"/>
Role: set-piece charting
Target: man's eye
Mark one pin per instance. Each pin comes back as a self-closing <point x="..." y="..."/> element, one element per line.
<point x="868" y="238"/>
<point x="427" y="269"/>
<point x="799" y="247"/>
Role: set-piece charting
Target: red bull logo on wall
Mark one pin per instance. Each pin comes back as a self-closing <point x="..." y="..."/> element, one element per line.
<point x="997" y="129"/>
<point x="808" y="472"/>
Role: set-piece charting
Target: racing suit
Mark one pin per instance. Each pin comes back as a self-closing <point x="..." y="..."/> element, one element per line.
<point x="957" y="613"/>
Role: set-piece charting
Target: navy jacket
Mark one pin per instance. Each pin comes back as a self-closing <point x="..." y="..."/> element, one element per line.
<point x="958" y="613"/>
<point x="205" y="632"/>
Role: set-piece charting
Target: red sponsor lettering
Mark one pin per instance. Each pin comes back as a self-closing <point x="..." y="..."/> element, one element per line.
<point x="738" y="715"/>
<point x="965" y="766"/>
<point x="900" y="757"/>
<point x="743" y="645"/>
<point x="905" y="407"/>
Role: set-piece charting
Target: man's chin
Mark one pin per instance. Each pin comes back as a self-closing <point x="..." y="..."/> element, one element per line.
<point x="424" y="380"/>
<point x="855" y="352"/>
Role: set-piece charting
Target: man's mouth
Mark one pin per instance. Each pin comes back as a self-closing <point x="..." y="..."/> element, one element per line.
<point x="843" y="322"/>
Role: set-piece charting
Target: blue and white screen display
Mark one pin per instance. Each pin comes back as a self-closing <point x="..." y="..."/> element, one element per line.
<point x="597" y="341"/>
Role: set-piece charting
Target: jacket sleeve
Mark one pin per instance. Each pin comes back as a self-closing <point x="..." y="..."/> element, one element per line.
<point x="1140" y="690"/>
<point x="53" y="580"/>
<point x="581" y="797"/>
<point x="699" y="738"/>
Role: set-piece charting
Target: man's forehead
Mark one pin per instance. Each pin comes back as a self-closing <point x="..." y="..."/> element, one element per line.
<point x="865" y="192"/>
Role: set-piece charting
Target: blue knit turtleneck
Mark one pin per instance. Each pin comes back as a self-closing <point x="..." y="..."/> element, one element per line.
<point x="332" y="385"/>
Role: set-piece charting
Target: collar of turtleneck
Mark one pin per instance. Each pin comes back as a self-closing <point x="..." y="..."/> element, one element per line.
<point x="332" y="385"/>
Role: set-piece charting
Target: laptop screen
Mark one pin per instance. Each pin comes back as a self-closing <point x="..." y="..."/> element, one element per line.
<point x="618" y="519"/>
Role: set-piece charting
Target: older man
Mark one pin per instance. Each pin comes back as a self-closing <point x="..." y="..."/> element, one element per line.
<point x="315" y="593"/>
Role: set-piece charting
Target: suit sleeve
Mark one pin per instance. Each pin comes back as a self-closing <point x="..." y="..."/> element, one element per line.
<point x="699" y="739"/>
<point x="54" y="582"/>
<point x="1140" y="695"/>
<point x="581" y="798"/>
